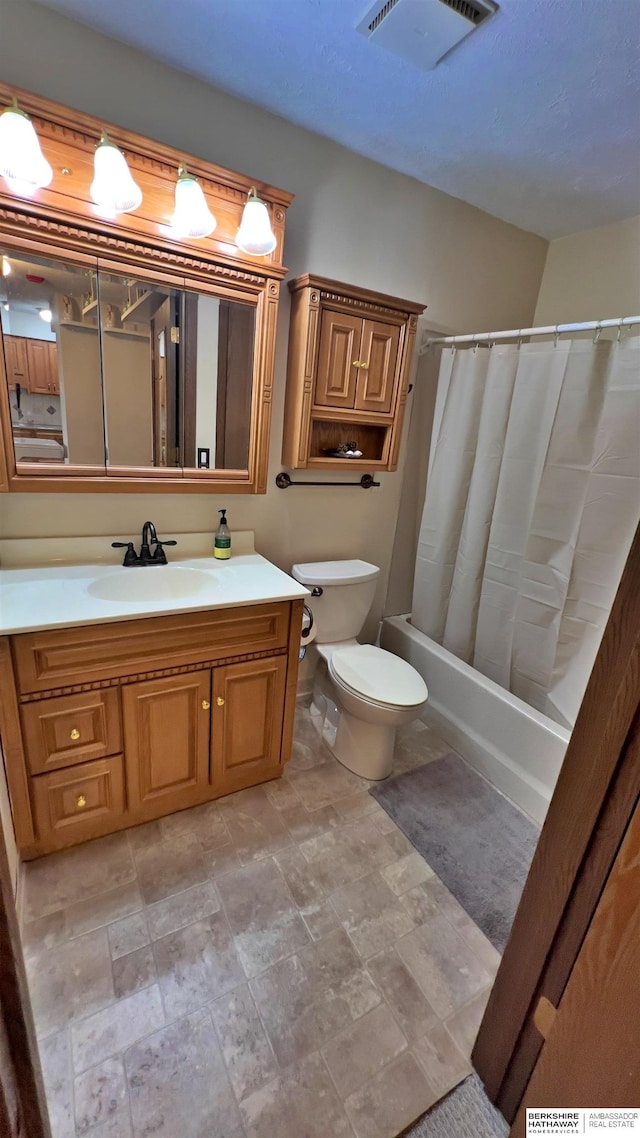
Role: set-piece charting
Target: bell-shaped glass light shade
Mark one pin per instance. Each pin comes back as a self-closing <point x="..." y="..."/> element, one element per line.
<point x="192" y="216"/>
<point x="22" y="162"/>
<point x="6" y="266"/>
<point x="113" y="188"/>
<point x="255" y="235"/>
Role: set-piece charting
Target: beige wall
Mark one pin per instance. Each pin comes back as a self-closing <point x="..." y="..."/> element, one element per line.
<point x="352" y="220"/>
<point x="593" y="275"/>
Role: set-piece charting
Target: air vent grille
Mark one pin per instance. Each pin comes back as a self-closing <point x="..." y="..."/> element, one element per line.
<point x="474" y="12"/>
<point x="422" y="32"/>
<point x="384" y="11"/>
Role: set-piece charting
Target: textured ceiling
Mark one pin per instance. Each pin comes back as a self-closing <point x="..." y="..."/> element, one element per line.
<point x="535" y="117"/>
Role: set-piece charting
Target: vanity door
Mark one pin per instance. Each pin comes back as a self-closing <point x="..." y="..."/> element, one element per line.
<point x="246" y="722"/>
<point x="166" y="732"/>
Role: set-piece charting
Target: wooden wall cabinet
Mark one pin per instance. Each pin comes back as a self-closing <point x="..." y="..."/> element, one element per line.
<point x="350" y="355"/>
<point x="108" y="726"/>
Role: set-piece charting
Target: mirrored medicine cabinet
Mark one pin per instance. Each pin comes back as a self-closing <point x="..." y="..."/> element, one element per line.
<point x="132" y="359"/>
<point x="113" y="371"/>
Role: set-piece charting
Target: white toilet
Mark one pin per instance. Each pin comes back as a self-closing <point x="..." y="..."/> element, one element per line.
<point x="364" y="693"/>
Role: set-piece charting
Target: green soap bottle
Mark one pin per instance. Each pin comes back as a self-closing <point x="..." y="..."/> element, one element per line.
<point x="222" y="539"/>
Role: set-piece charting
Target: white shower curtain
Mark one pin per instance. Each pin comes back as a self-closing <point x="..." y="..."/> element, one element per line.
<point x="532" y="501"/>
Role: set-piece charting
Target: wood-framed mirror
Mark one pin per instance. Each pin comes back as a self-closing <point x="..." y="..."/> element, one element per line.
<point x="131" y="359"/>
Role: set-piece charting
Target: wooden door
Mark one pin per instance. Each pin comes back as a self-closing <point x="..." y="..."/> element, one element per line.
<point x="235" y="384"/>
<point x="15" y="354"/>
<point x="592" y="804"/>
<point x="166" y="738"/>
<point x="338" y="355"/>
<point x="23" y="1112"/>
<point x="246" y="722"/>
<point x="165" y="338"/>
<point x="377" y="371"/>
<point x="591" y="1056"/>
<point x="39" y="360"/>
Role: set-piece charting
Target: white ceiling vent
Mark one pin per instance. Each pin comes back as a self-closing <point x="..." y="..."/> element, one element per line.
<point x="423" y="31"/>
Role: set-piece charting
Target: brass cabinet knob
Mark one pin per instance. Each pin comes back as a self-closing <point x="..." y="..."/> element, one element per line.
<point x="356" y="363"/>
<point x="220" y="701"/>
<point x="205" y="705"/>
<point x="81" y="801"/>
<point x="74" y="733"/>
<point x="365" y="367"/>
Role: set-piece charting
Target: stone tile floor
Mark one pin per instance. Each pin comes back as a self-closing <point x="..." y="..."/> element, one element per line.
<point x="280" y="963"/>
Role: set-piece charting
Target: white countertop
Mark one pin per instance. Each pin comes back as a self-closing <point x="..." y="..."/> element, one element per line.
<point x="59" y="595"/>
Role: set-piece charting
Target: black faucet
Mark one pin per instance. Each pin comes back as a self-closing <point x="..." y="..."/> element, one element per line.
<point x="145" y="557"/>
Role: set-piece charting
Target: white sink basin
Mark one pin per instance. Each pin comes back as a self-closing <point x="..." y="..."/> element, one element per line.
<point x="152" y="583"/>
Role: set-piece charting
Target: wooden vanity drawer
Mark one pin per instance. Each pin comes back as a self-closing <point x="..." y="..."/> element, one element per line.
<point x="71" y="729"/>
<point x="80" y="802"/>
<point x="62" y="657"/>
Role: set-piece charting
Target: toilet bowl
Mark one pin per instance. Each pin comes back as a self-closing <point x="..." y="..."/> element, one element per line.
<point x="361" y="692"/>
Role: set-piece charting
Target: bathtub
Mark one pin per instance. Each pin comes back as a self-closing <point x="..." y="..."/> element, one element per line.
<point x="517" y="749"/>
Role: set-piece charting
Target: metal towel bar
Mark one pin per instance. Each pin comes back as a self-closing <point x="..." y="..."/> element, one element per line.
<point x="283" y="482"/>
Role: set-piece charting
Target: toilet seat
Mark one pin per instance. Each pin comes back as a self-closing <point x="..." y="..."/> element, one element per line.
<point x="377" y="676"/>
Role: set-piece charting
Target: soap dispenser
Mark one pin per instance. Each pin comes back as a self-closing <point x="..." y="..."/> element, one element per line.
<point x="222" y="539"/>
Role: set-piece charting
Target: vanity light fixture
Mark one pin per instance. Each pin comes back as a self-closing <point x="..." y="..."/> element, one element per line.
<point x="255" y="234"/>
<point x="6" y="266"/>
<point x="45" y="314"/>
<point x="192" y="216"/>
<point x="22" y="162"/>
<point x="113" y="188"/>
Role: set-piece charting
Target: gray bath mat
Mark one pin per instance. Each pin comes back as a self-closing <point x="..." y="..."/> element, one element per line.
<point x="474" y="839"/>
<point x="465" y="1113"/>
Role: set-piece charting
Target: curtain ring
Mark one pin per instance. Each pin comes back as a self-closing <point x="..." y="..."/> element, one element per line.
<point x="598" y="334"/>
<point x="475" y="347"/>
<point x="620" y="329"/>
<point x="555" y="336"/>
<point x="519" y="340"/>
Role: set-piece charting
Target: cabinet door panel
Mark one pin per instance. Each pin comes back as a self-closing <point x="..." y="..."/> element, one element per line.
<point x="53" y="368"/>
<point x="246" y="717"/>
<point x="15" y="354"/>
<point x="39" y="359"/>
<point x="337" y="353"/>
<point x="166" y="732"/>
<point x="379" y="355"/>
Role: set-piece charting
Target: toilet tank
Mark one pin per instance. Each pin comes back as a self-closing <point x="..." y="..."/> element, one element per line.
<point x="348" y="589"/>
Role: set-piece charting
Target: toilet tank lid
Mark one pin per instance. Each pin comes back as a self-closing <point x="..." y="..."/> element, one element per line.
<point x="334" y="572"/>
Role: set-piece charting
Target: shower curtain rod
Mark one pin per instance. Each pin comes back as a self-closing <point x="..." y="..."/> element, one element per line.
<point x="520" y="333"/>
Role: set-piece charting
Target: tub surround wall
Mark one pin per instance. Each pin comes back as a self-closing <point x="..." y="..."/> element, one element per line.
<point x="406" y="239"/>
<point x="517" y="749"/>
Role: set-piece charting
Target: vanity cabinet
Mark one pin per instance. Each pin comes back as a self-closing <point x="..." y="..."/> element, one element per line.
<point x="110" y="725"/>
<point x="350" y="356"/>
